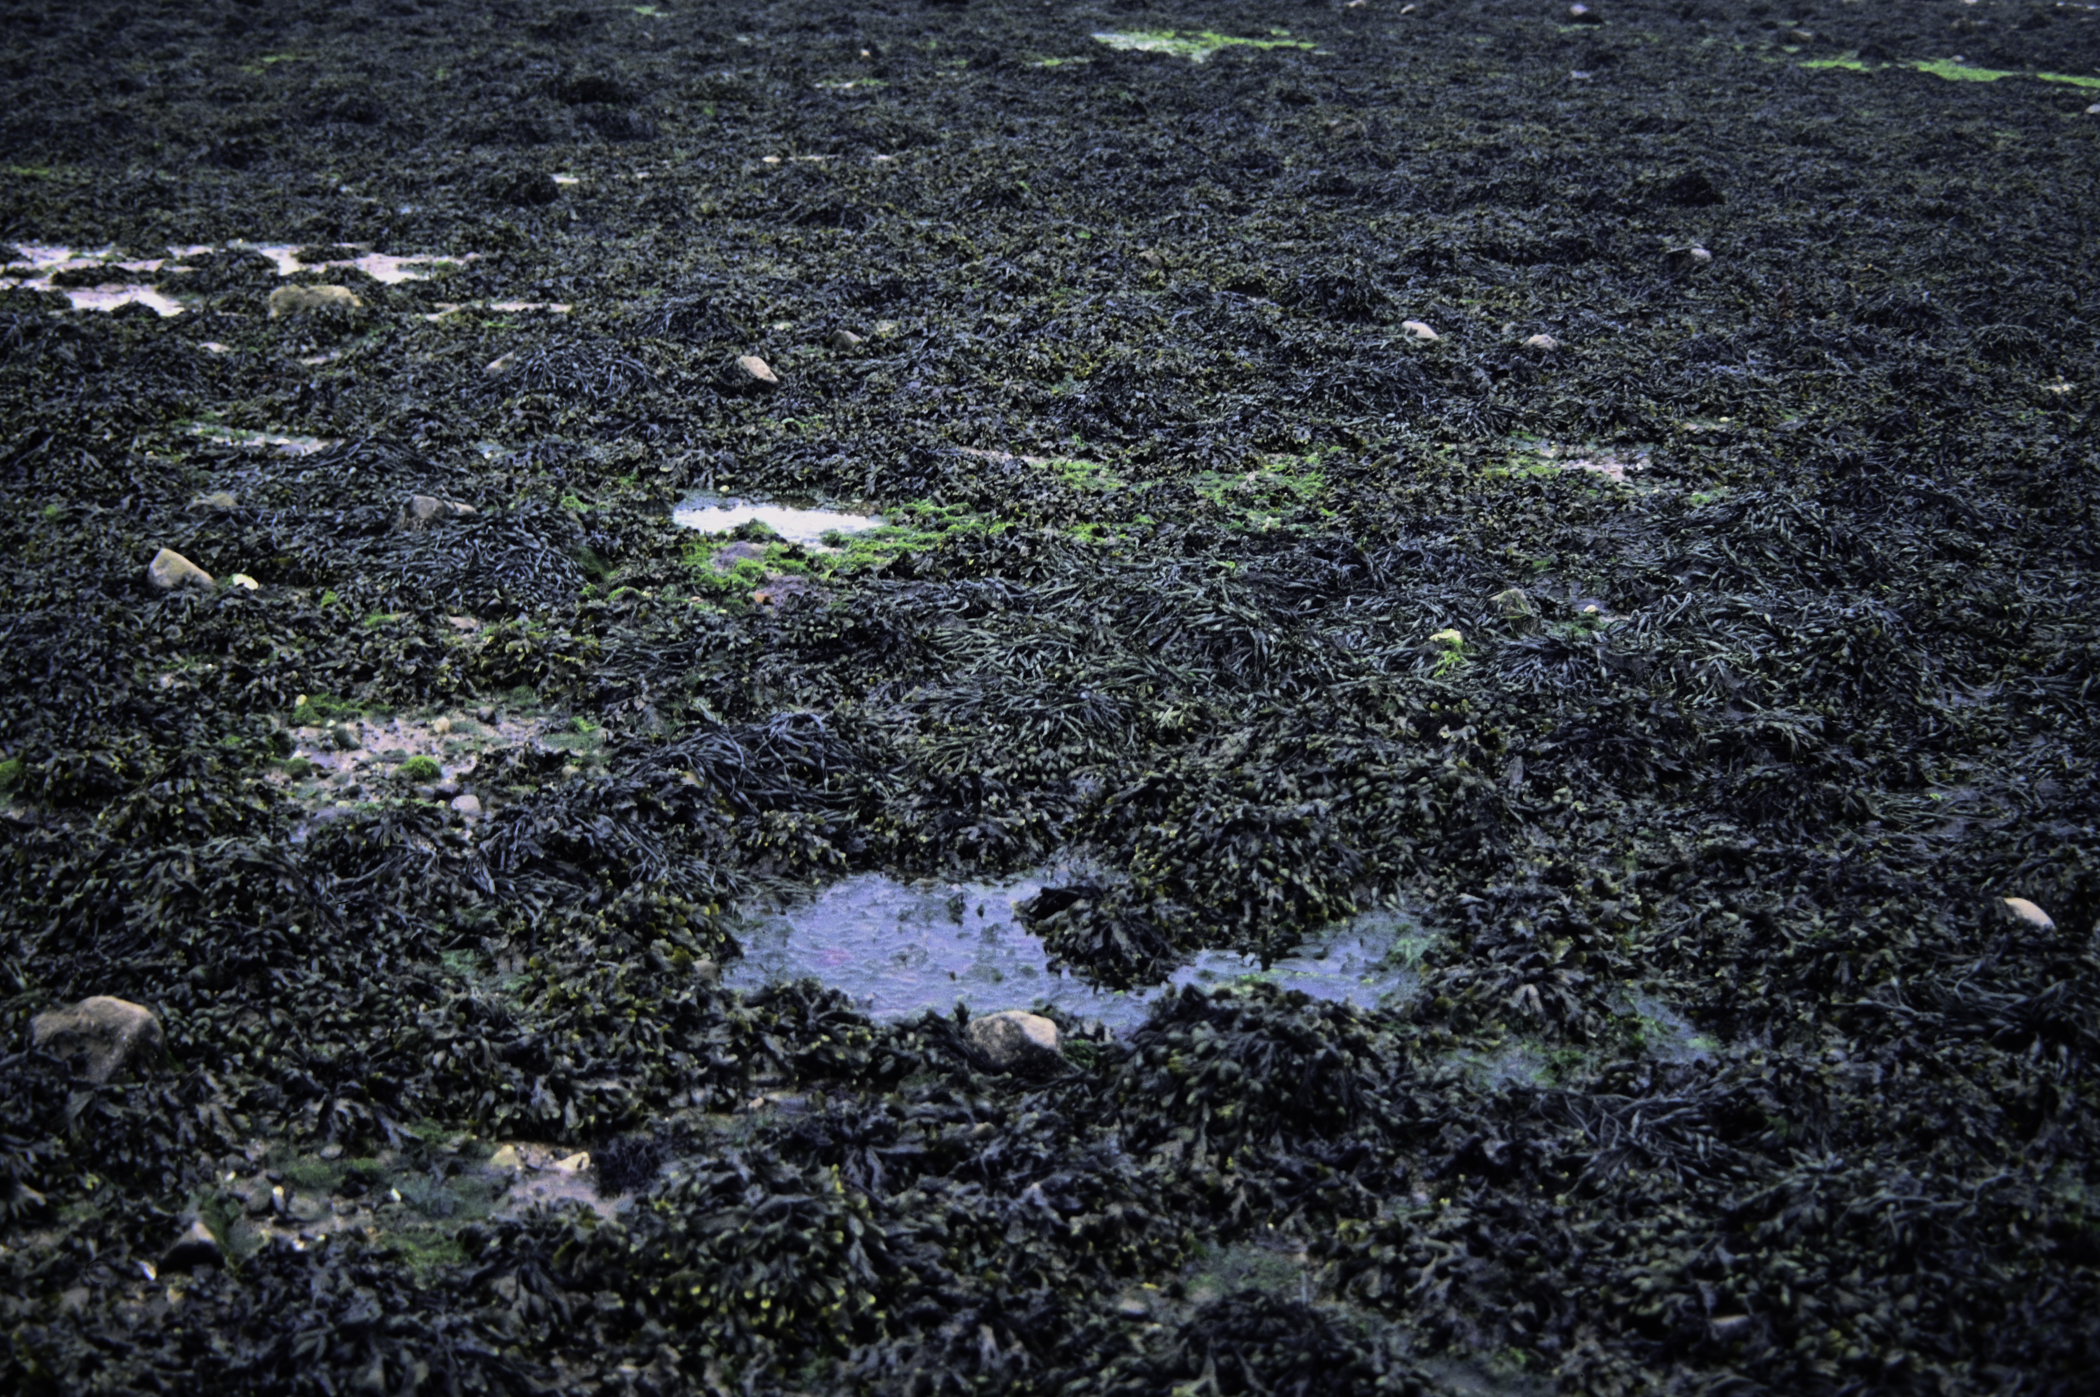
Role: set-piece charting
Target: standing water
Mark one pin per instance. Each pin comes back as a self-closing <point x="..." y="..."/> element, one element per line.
<point x="899" y="949"/>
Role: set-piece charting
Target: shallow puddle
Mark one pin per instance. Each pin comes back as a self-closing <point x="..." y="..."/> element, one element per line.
<point x="34" y="265"/>
<point x="899" y="949"/>
<point x="712" y="514"/>
<point x="234" y="436"/>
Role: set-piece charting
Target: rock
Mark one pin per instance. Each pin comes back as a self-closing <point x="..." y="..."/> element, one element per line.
<point x="1516" y="608"/>
<point x="1583" y="14"/>
<point x="2027" y="912"/>
<point x="1689" y="258"/>
<point x="170" y="570"/>
<point x="297" y="300"/>
<point x="2093" y="110"/>
<point x="422" y="511"/>
<point x="500" y="365"/>
<point x="99" y="1035"/>
<point x="750" y="371"/>
<point x="1152" y="258"/>
<point x="575" y="1163"/>
<point x="1543" y="343"/>
<point x="448" y="789"/>
<point x="1013" y="1040"/>
<point x="246" y="583"/>
<point x="217" y="499"/>
<point x="467" y="807"/>
<point x="845" y="339"/>
<point x="1420" y="330"/>
<point x="194" y="1248"/>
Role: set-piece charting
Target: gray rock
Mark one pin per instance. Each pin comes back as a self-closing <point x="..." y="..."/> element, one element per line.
<point x="296" y="300"/>
<point x="1421" y="330"/>
<point x="99" y="1036"/>
<point x="845" y="339"/>
<point x="217" y="499"/>
<point x="1516" y="608"/>
<point x="1544" y="344"/>
<point x="170" y="570"/>
<point x="422" y="511"/>
<point x="467" y="807"/>
<point x="194" y="1248"/>
<point x="1014" y="1040"/>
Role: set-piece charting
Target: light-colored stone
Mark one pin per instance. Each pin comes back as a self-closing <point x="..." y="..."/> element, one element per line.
<point x="195" y="1247"/>
<point x="217" y="499"/>
<point x="170" y="570"/>
<point x="2027" y="912"/>
<point x="99" y="1035"/>
<point x="1014" y="1039"/>
<point x="296" y="300"/>
<point x="845" y="339"/>
<point x="1448" y="640"/>
<point x="467" y="807"/>
<point x="1153" y="258"/>
<point x="2093" y="110"/>
<point x="500" y="365"/>
<point x="1542" y="343"/>
<point x="246" y="583"/>
<point x="1699" y="255"/>
<point x="1420" y="329"/>
<point x="575" y="1163"/>
<point x="753" y="372"/>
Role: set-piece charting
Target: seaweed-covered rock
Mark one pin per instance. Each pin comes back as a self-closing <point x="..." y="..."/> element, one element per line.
<point x="100" y="1036"/>
<point x="195" y="1247"/>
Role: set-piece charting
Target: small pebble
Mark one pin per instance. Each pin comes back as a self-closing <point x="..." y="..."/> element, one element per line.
<point x="845" y="339"/>
<point x="243" y="581"/>
<point x="467" y="807"/>
<point x="1542" y="343"/>
<point x="500" y="365"/>
<point x="1420" y="330"/>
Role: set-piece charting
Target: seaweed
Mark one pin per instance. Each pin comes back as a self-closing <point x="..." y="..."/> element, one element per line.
<point x="1690" y="635"/>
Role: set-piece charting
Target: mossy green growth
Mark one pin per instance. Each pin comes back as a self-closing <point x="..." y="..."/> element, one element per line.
<point x="1850" y="63"/>
<point x="1957" y="72"/>
<point x="1273" y="493"/>
<point x="421" y="769"/>
<point x="1197" y="47"/>
<point x="315" y="709"/>
<point x="10" y="773"/>
<point x="1087" y="477"/>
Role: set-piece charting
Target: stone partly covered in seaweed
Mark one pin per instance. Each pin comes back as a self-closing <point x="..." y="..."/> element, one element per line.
<point x="1013" y="1040"/>
<point x="422" y="511"/>
<point x="99" y="1036"/>
<point x="195" y="1247"/>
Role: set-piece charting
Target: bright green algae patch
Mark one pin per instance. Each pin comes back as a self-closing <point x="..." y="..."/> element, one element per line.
<point x="1195" y="47"/>
<point x="1951" y="71"/>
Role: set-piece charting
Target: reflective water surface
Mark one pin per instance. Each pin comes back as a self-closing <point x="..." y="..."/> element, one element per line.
<point x="899" y="949"/>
